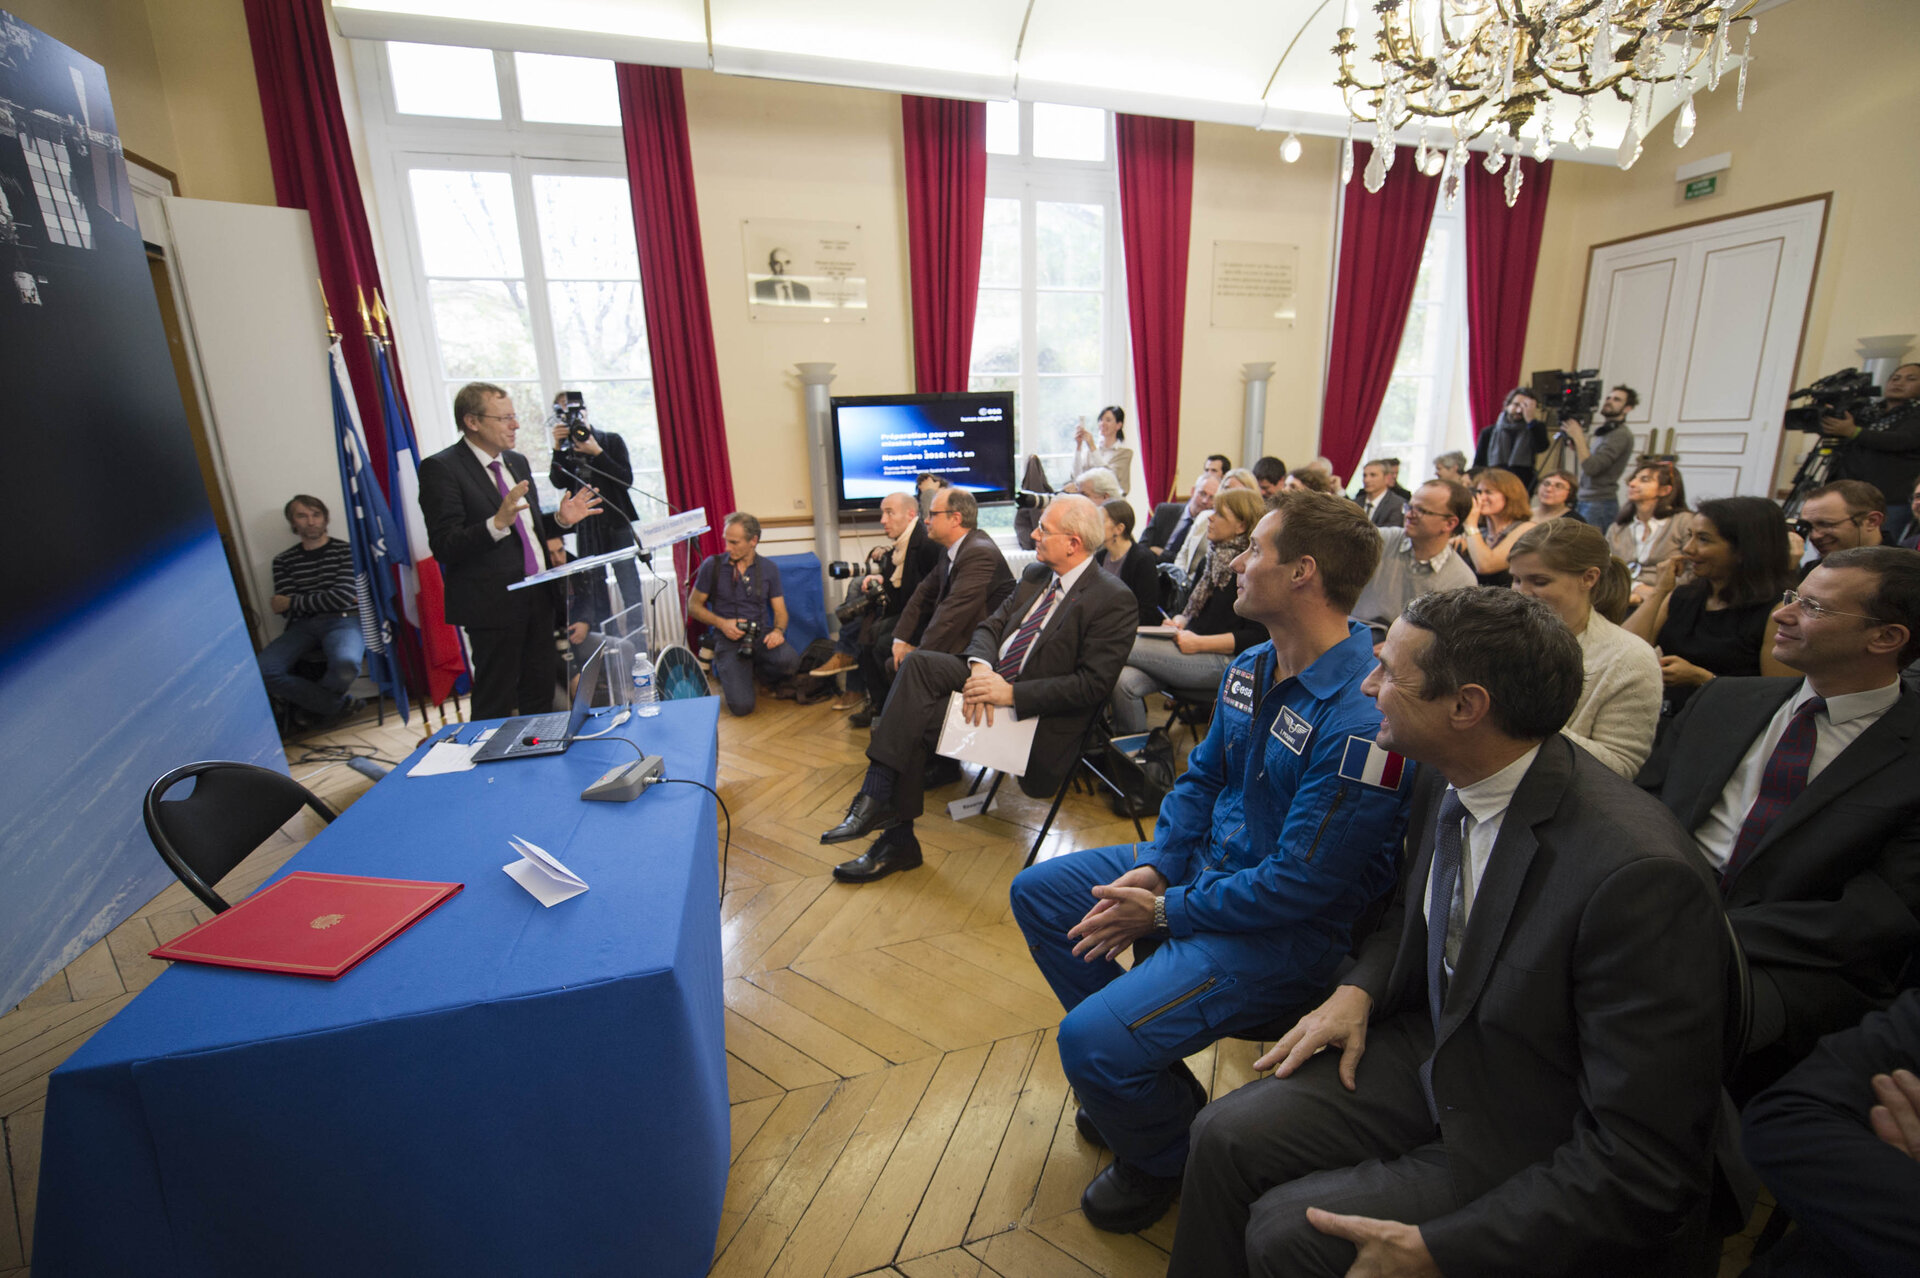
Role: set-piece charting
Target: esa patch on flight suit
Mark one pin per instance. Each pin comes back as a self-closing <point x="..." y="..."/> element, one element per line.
<point x="1237" y="690"/>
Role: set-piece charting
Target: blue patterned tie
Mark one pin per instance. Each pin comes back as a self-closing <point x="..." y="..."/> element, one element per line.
<point x="1008" y="667"/>
<point x="1441" y="881"/>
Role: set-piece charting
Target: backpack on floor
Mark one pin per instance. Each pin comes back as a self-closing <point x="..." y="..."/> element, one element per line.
<point x="806" y="689"/>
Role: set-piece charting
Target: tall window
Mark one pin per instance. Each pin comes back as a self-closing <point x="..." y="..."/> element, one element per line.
<point x="1414" y="417"/>
<point x="1051" y="323"/>
<point x="501" y="185"/>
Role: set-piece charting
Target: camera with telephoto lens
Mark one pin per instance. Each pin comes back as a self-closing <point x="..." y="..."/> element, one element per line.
<point x="860" y="600"/>
<point x="1570" y="394"/>
<point x="749" y="637"/>
<point x="841" y="569"/>
<point x="573" y="415"/>
<point x="1842" y="394"/>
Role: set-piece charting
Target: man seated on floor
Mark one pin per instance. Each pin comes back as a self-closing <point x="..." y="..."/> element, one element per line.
<point x="1805" y="796"/>
<point x="313" y="589"/>
<point x="968" y="581"/>
<point x="1051" y="652"/>
<point x="1417" y="558"/>
<point x="1540" y="1012"/>
<point x="1279" y="835"/>
<point x="738" y="593"/>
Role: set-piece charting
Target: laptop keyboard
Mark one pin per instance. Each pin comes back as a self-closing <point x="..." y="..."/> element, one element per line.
<point x="546" y="727"/>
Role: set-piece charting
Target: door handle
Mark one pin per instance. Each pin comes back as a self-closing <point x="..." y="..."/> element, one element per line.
<point x="1670" y="441"/>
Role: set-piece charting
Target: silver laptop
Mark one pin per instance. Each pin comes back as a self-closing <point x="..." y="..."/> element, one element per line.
<point x="537" y="734"/>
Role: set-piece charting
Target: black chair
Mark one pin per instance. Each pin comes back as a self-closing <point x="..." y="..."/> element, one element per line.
<point x="234" y="808"/>
<point x="1195" y="709"/>
<point x="1082" y="762"/>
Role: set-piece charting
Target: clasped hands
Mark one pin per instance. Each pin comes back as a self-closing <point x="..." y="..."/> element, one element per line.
<point x="983" y="690"/>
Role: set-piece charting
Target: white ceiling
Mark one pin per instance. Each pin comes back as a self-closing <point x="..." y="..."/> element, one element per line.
<point x="1261" y="63"/>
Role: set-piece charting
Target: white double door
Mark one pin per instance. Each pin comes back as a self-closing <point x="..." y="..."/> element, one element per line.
<point x="1705" y="322"/>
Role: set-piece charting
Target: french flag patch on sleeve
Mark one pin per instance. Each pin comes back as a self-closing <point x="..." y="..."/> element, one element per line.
<point x="1371" y="764"/>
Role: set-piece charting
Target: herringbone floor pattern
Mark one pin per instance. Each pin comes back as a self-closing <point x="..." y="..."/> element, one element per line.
<point x="898" y="1104"/>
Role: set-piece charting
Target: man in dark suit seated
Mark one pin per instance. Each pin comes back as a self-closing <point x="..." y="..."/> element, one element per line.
<point x="1805" y="796"/>
<point x="967" y="582"/>
<point x="1527" y="1073"/>
<point x="1838" y="1142"/>
<point x="1051" y="652"/>
<point x="1271" y="846"/>
<point x="486" y="535"/>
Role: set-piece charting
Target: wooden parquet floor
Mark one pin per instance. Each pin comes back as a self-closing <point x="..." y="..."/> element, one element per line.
<point x="898" y="1104"/>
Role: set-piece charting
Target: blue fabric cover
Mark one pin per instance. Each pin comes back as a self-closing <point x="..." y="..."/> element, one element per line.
<point x="806" y="598"/>
<point x="504" y="1088"/>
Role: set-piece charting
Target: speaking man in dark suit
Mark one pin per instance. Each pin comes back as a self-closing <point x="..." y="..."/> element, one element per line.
<point x="1528" y="1068"/>
<point x="1805" y="796"/>
<point x="1051" y="652"/>
<point x="487" y="536"/>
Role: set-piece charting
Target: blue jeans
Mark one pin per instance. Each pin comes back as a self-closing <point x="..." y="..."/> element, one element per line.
<point x="736" y="672"/>
<point x="1158" y="665"/>
<point x="339" y="638"/>
<point x="1599" y="513"/>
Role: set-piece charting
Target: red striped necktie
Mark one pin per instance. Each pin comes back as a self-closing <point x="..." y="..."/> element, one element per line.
<point x="1009" y="664"/>
<point x="1780" y="784"/>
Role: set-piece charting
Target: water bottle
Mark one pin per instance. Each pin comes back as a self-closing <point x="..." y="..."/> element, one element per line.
<point x="646" y="698"/>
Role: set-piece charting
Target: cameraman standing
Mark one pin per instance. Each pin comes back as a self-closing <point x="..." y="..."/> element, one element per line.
<point x="585" y="454"/>
<point x="1603" y="459"/>
<point x="1883" y="446"/>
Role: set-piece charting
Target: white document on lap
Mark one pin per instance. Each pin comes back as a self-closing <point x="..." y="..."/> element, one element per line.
<point x="1004" y="747"/>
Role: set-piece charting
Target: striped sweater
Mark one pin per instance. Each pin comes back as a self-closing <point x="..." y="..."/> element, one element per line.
<point x="316" y="581"/>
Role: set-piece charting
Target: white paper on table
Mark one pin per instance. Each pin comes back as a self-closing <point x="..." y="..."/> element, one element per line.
<point x="549" y="881"/>
<point x="1004" y="747"/>
<point x="445" y="757"/>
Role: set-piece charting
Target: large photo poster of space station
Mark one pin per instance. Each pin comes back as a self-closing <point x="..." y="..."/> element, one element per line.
<point x="122" y="648"/>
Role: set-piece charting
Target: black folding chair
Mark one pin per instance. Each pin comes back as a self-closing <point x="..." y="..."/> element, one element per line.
<point x="1081" y="761"/>
<point x="234" y="808"/>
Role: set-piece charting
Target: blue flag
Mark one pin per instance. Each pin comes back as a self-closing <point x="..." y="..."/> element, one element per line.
<point x="373" y="536"/>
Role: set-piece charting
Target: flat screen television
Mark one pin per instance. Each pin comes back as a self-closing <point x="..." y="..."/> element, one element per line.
<point x="882" y="442"/>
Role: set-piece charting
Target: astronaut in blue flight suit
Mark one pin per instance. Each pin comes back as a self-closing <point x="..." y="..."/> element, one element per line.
<point x="1280" y="835"/>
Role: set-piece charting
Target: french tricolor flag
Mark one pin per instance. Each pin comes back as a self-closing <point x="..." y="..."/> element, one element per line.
<point x="1371" y="764"/>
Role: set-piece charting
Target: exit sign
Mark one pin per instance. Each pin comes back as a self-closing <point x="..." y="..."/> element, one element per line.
<point x="1702" y="187"/>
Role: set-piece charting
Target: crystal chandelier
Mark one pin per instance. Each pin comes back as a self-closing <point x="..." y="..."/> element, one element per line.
<point x="1490" y="66"/>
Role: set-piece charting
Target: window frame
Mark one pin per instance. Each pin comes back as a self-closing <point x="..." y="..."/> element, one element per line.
<point x="1032" y="181"/>
<point x="398" y="143"/>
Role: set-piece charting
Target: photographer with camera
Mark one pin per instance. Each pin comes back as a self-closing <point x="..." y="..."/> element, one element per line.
<point x="1879" y="442"/>
<point x="1604" y="457"/>
<point x="584" y="454"/>
<point x="1516" y="439"/>
<point x="748" y="615"/>
<point x="872" y="613"/>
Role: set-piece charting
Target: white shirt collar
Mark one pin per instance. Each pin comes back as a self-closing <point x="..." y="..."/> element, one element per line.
<point x="1073" y="574"/>
<point x="1489" y="796"/>
<point x="1851" y="705"/>
<point x="486" y="461"/>
<point x="1436" y="563"/>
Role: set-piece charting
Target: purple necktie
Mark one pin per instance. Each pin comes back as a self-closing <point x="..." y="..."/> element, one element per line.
<point x="1008" y="667"/>
<point x="526" y="547"/>
<point x="1782" y="781"/>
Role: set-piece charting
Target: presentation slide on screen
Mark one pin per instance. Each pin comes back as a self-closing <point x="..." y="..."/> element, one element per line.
<point x="883" y="447"/>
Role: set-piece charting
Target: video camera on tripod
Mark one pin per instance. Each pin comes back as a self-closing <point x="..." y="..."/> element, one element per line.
<point x="1568" y="393"/>
<point x="1841" y="394"/>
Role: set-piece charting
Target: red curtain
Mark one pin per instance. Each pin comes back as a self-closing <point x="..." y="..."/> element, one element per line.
<point x="313" y="170"/>
<point x="1382" y="237"/>
<point x="946" y="165"/>
<point x="1503" y="247"/>
<point x="673" y="279"/>
<point x="1156" y="216"/>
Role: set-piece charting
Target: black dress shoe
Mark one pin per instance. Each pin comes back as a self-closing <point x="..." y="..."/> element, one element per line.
<point x="942" y="771"/>
<point x="863" y="717"/>
<point x="1083" y="1121"/>
<point x="1125" y="1200"/>
<point x="897" y="849"/>
<point x="864" y="815"/>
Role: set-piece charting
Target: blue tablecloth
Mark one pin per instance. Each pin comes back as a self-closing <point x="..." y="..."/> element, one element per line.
<point x="806" y="599"/>
<point x="503" y="1089"/>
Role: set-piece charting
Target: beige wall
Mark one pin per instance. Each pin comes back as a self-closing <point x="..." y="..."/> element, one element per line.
<point x="1830" y="107"/>
<point x="1242" y="191"/>
<point x="773" y="149"/>
<point x="181" y="76"/>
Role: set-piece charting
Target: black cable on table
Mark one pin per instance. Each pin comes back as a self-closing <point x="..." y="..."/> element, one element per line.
<point x="728" y="845"/>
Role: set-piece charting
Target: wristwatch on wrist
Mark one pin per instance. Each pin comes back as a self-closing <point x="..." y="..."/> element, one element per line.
<point x="1160" y="915"/>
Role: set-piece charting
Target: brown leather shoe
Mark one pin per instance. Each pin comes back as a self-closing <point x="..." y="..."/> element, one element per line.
<point x="838" y="663"/>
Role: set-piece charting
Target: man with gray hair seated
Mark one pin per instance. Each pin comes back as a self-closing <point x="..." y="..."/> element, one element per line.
<point x="1051" y="652"/>
<point x="1097" y="485"/>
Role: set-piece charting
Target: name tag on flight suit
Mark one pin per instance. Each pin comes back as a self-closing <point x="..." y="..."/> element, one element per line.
<point x="1290" y="730"/>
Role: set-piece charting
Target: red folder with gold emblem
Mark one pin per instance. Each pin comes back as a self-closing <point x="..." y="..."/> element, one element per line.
<point x="309" y="924"/>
